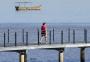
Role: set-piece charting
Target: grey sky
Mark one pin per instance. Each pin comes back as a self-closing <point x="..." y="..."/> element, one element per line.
<point x="63" y="11"/>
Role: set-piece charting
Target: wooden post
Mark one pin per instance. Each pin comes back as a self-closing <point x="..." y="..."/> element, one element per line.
<point x="82" y="54"/>
<point x="50" y="37"/>
<point x="23" y="36"/>
<point x="85" y="35"/>
<point x="69" y="35"/>
<point x="22" y="56"/>
<point x="62" y="37"/>
<point x="8" y="35"/>
<point x="73" y="36"/>
<point x="38" y="35"/>
<point x="4" y="39"/>
<point x="26" y="38"/>
<point x="15" y="39"/>
<point x="61" y="55"/>
<point x="53" y="34"/>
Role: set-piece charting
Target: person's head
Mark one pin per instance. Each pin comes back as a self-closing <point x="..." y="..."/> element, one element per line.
<point x="44" y="23"/>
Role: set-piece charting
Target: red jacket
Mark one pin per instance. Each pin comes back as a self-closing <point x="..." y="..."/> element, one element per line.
<point x="43" y="28"/>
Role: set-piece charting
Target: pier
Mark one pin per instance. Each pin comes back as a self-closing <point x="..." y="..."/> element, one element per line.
<point x="22" y="47"/>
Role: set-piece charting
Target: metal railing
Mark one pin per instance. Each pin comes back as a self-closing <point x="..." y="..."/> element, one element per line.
<point x="51" y="37"/>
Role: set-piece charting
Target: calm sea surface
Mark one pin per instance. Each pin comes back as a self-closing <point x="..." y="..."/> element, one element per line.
<point x="71" y="54"/>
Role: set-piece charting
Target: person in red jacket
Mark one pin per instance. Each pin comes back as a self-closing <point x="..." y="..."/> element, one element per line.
<point x="44" y="31"/>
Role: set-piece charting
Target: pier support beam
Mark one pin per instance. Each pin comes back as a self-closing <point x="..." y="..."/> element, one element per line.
<point x="61" y="55"/>
<point x="22" y="56"/>
<point x="82" y="54"/>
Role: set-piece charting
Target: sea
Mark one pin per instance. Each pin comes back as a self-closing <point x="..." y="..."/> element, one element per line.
<point x="44" y="55"/>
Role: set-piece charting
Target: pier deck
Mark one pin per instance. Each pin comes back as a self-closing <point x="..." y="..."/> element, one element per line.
<point x="45" y="46"/>
<point x="15" y="45"/>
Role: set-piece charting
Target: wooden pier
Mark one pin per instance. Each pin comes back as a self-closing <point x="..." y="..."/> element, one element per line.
<point x="22" y="47"/>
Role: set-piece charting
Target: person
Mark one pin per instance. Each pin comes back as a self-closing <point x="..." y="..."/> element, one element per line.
<point x="44" y="32"/>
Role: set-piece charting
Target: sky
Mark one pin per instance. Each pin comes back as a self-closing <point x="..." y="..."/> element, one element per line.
<point x="53" y="11"/>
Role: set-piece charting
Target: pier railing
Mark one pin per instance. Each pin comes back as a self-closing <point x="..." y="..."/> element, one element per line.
<point x="61" y="36"/>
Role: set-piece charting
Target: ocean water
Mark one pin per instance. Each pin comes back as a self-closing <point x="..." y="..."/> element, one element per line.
<point x="71" y="54"/>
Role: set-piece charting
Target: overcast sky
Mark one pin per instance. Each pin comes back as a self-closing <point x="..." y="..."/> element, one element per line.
<point x="63" y="11"/>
